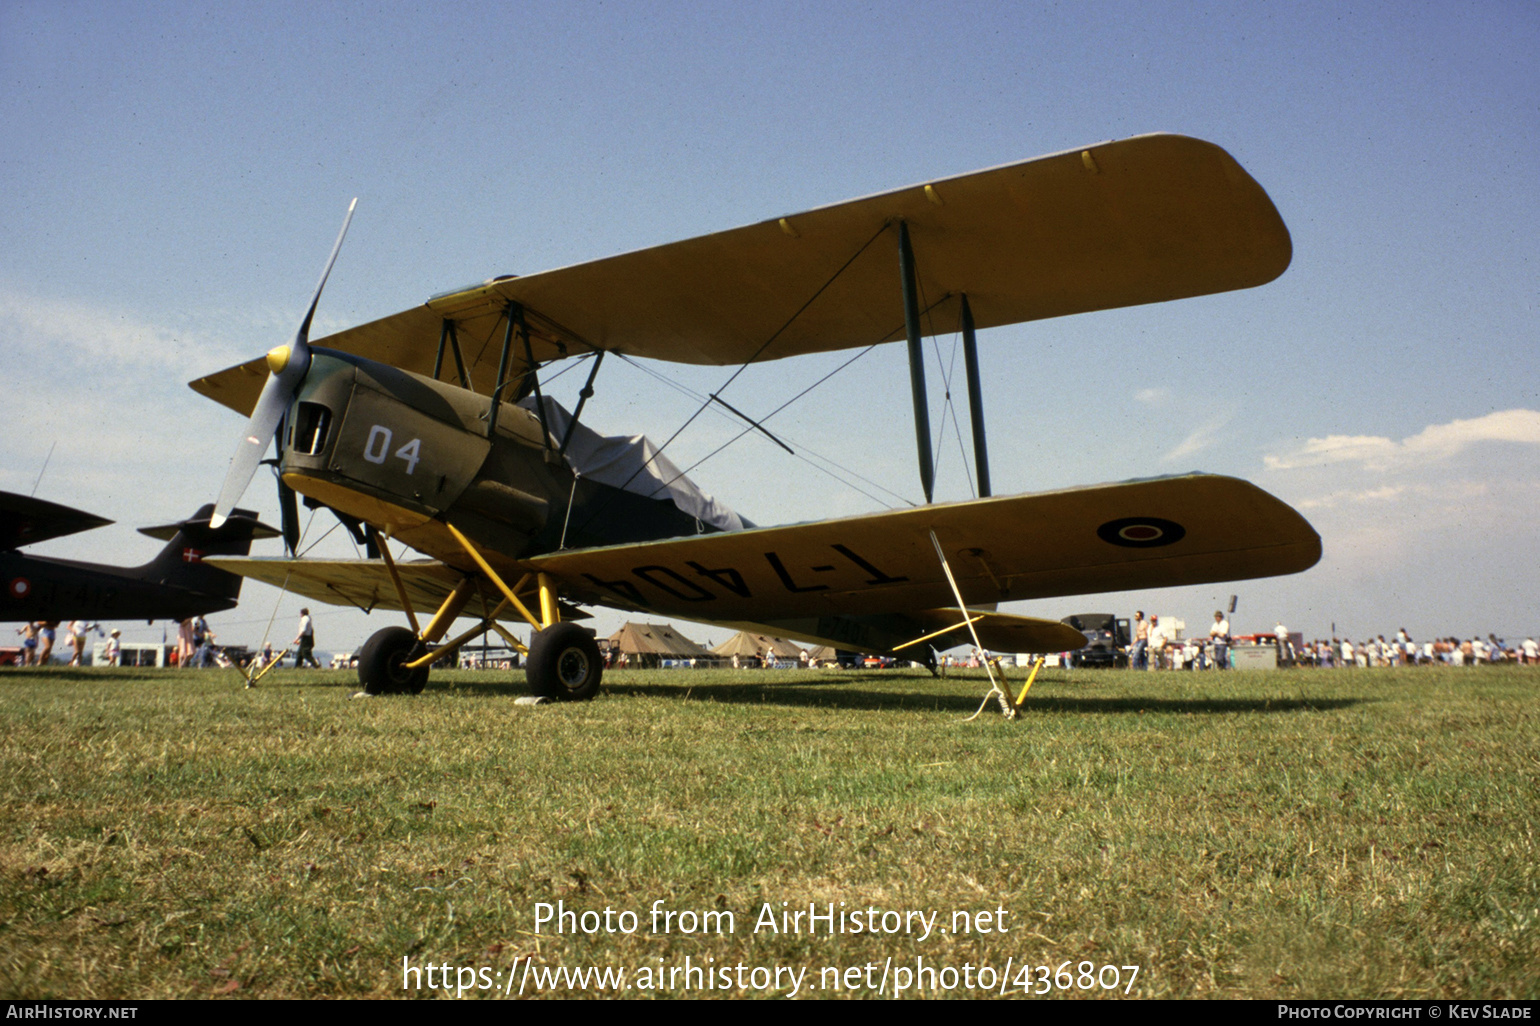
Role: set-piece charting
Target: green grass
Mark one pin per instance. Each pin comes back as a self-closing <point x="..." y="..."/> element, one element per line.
<point x="1289" y="834"/>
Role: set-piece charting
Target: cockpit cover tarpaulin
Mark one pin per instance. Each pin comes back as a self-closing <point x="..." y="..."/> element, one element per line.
<point x="632" y="463"/>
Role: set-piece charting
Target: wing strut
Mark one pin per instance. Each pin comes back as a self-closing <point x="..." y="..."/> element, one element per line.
<point x="583" y="397"/>
<point x="502" y="374"/>
<point x="395" y="578"/>
<point x="533" y="375"/>
<point x="917" y="375"/>
<point x="448" y="335"/>
<point x="975" y="399"/>
<point x="916" y="360"/>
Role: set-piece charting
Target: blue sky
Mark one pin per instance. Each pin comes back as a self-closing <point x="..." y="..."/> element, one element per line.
<point x="174" y="173"/>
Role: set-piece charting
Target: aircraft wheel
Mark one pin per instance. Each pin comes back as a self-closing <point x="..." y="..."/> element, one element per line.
<point x="381" y="662"/>
<point x="564" y="663"/>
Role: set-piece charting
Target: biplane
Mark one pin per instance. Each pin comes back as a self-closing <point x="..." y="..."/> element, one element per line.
<point x="431" y="427"/>
<point x="177" y="584"/>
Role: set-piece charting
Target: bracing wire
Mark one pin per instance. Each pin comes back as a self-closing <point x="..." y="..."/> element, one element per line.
<point x="949" y="408"/>
<point x="766" y="345"/>
<point x="283" y="590"/>
<point x="805" y="452"/>
<point x="319" y="540"/>
<point x="805" y="448"/>
<point x="744" y="366"/>
<point x="765" y="419"/>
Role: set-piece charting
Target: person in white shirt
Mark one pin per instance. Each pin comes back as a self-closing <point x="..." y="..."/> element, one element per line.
<point x="1138" y="657"/>
<point x="1219" y="637"/>
<point x="1157" y="643"/>
<point x="306" y="641"/>
<point x="1285" y="650"/>
<point x="77" y="633"/>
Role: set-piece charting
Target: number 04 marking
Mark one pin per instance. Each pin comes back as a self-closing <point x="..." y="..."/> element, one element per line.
<point x="378" y="446"/>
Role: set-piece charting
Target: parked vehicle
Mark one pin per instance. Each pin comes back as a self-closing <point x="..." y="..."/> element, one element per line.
<point x="1107" y="640"/>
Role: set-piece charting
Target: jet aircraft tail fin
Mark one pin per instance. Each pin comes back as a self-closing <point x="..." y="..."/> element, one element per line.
<point x="180" y="564"/>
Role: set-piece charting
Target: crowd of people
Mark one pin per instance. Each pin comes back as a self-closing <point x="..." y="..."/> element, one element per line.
<point x="1155" y="648"/>
<point x="1402" y="650"/>
<point x="195" y="649"/>
<point x="38" y="637"/>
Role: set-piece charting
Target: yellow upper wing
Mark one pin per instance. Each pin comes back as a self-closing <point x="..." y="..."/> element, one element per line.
<point x="1140" y="220"/>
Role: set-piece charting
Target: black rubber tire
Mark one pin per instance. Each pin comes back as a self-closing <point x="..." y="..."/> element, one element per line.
<point x="564" y="663"/>
<point x="381" y="661"/>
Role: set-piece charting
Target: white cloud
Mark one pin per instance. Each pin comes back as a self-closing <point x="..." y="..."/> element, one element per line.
<point x="187" y="342"/>
<point x="1443" y="440"/>
<point x="1433" y="443"/>
<point x="1202" y="437"/>
<point x="1153" y="396"/>
<point x="1354" y="497"/>
<point x="96" y="334"/>
<point x="105" y="392"/>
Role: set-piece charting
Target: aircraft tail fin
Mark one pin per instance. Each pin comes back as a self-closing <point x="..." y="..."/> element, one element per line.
<point x="180" y="564"/>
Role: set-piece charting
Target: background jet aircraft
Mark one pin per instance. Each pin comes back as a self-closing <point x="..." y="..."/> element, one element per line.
<point x="175" y="585"/>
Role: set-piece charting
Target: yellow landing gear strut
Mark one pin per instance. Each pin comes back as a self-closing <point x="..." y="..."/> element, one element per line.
<point x="562" y="658"/>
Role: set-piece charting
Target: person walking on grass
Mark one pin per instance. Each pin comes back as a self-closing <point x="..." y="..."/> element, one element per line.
<point x="28" y="634"/>
<point x="305" y="641"/>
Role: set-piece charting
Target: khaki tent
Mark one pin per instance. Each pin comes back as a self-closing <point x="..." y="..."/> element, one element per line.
<point x="761" y="646"/>
<point x="646" y="644"/>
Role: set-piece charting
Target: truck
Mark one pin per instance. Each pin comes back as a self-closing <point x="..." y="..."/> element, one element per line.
<point x="1107" y="640"/>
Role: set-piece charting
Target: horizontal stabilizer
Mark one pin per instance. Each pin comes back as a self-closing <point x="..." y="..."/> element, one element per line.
<point x="1001" y="632"/>
<point x="241" y="522"/>
<point x="27" y="521"/>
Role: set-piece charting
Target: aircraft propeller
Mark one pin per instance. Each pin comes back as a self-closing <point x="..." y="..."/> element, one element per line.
<point x="286" y="369"/>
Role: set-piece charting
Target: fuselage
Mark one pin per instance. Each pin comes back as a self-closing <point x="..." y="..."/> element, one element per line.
<point x="42" y="588"/>
<point x="175" y="585"/>
<point x="405" y="453"/>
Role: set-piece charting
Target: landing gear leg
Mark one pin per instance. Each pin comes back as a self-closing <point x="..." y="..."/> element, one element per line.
<point x="564" y="660"/>
<point x="396" y="659"/>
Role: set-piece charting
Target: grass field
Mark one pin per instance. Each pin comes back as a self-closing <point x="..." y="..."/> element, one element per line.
<point x="1288" y="834"/>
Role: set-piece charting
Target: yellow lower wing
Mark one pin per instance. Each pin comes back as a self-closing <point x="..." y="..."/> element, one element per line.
<point x="1139" y="534"/>
<point x="873" y="582"/>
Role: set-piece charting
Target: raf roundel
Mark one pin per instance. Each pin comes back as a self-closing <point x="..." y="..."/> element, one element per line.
<point x="19" y="588"/>
<point x="1141" y="532"/>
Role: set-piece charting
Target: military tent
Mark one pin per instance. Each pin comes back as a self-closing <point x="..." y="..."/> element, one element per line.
<point x="758" y="646"/>
<point x="648" y="644"/>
